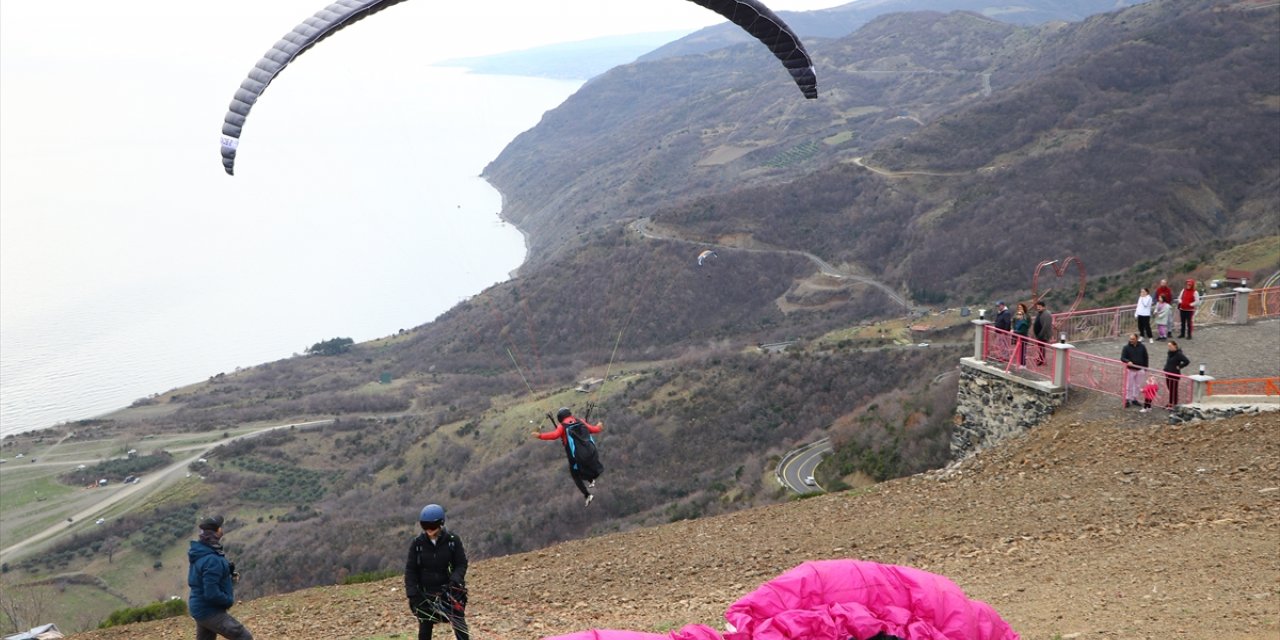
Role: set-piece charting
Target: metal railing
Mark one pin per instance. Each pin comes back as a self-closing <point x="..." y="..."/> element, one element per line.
<point x="1244" y="387"/>
<point x="1113" y="322"/>
<point x="1013" y="352"/>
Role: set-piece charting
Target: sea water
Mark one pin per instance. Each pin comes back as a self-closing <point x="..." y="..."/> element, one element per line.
<point x="131" y="265"/>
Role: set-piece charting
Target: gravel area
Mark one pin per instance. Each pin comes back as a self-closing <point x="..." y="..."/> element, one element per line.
<point x="1227" y="351"/>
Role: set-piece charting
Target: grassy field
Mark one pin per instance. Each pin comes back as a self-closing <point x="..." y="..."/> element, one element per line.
<point x="32" y="499"/>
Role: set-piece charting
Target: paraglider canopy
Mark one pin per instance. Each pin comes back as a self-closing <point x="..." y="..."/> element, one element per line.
<point x="702" y="257"/>
<point x="751" y="15"/>
<point x="844" y="599"/>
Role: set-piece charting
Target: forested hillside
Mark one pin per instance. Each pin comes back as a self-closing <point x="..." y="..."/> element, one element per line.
<point x="1157" y="124"/>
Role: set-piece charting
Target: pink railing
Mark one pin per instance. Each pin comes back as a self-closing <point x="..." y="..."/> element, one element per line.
<point x="1015" y="352"/>
<point x="1113" y="322"/>
<point x="1012" y="352"/>
<point x="1106" y="375"/>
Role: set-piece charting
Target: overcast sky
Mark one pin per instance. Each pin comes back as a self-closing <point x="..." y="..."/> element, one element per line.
<point x="92" y="91"/>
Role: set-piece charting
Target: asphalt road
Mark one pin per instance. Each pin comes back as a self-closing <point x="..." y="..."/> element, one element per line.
<point x="800" y="464"/>
<point x="149" y="484"/>
<point x="641" y="226"/>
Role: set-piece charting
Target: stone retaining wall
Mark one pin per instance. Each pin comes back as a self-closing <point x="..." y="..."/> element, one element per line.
<point x="992" y="405"/>
<point x="1197" y="412"/>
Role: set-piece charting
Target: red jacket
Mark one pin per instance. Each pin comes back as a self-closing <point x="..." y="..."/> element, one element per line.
<point x="564" y="438"/>
<point x="1189" y="299"/>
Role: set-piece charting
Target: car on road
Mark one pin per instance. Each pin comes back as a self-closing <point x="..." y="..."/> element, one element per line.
<point x="809" y="481"/>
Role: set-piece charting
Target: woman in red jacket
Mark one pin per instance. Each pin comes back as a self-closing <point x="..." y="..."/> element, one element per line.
<point x="1188" y="300"/>
<point x="584" y="463"/>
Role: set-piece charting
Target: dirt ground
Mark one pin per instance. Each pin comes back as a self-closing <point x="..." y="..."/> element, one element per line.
<point x="1100" y="523"/>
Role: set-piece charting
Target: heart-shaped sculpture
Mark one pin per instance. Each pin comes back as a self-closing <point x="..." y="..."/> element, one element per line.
<point x="1059" y="269"/>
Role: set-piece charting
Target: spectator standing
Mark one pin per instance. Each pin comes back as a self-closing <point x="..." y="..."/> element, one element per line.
<point x="1143" y="313"/>
<point x="1134" y="356"/>
<point x="1174" y="362"/>
<point x="1163" y="317"/>
<point x="1042" y="327"/>
<point x="1163" y="292"/>
<point x="1188" y="300"/>
<point x="1004" y="317"/>
<point x="1021" y="329"/>
<point x="211" y="579"/>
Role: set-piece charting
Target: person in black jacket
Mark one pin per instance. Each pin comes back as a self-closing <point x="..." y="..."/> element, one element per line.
<point x="1134" y="356"/>
<point x="1004" y="317"/>
<point x="1042" y="330"/>
<point x="435" y="576"/>
<point x="1173" y="364"/>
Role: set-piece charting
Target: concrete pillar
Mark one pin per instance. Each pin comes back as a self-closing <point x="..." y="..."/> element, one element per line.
<point x="1242" y="305"/>
<point x="1061" y="363"/>
<point x="1200" y="388"/>
<point x="979" y="334"/>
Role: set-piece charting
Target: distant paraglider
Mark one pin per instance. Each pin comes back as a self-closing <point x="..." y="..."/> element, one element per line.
<point x="751" y="15"/>
<point x="706" y="255"/>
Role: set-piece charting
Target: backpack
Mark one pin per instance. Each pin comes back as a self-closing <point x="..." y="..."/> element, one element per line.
<point x="581" y="447"/>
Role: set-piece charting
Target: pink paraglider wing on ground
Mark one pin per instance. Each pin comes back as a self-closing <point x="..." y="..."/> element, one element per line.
<point x="838" y="599"/>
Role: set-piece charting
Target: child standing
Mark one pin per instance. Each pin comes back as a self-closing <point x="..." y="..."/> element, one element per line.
<point x="1149" y="392"/>
<point x="1163" y="318"/>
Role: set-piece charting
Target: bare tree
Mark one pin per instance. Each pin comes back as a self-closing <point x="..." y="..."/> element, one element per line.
<point x="24" y="606"/>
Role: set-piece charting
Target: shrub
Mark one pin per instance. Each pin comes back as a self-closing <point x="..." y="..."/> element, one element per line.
<point x="154" y="611"/>
<point x="370" y="576"/>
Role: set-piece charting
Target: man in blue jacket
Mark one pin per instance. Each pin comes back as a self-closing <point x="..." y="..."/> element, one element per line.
<point x="211" y="578"/>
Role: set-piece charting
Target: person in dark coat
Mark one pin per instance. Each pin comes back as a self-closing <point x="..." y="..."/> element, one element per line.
<point x="211" y="578"/>
<point x="1174" y="362"/>
<point x="1134" y="356"/>
<point x="1042" y="328"/>
<point x="435" y="576"/>
<point x="1004" y="317"/>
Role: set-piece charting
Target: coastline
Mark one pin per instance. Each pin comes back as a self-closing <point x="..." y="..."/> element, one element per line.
<point x="524" y="235"/>
<point x="59" y="427"/>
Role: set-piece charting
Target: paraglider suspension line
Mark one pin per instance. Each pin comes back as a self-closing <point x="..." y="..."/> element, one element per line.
<point x="518" y="370"/>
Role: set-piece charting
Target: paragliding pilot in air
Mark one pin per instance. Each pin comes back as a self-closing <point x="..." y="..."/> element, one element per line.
<point x="579" y="446"/>
<point x="435" y="576"/>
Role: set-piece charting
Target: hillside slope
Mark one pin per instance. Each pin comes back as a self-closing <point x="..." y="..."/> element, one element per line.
<point x="1157" y="124"/>
<point x="1094" y="525"/>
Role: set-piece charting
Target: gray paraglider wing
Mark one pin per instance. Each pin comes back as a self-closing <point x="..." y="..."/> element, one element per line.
<point x="762" y="23"/>
<point x="751" y="15"/>
<point x="304" y="36"/>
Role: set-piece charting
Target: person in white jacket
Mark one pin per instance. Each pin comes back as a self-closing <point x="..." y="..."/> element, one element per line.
<point x="1143" y="313"/>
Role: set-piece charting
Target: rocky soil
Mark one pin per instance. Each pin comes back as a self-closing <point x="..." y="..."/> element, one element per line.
<point x="1101" y="523"/>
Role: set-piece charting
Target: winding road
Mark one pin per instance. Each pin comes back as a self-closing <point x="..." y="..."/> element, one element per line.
<point x="147" y="485"/>
<point x="800" y="463"/>
<point x="642" y="227"/>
